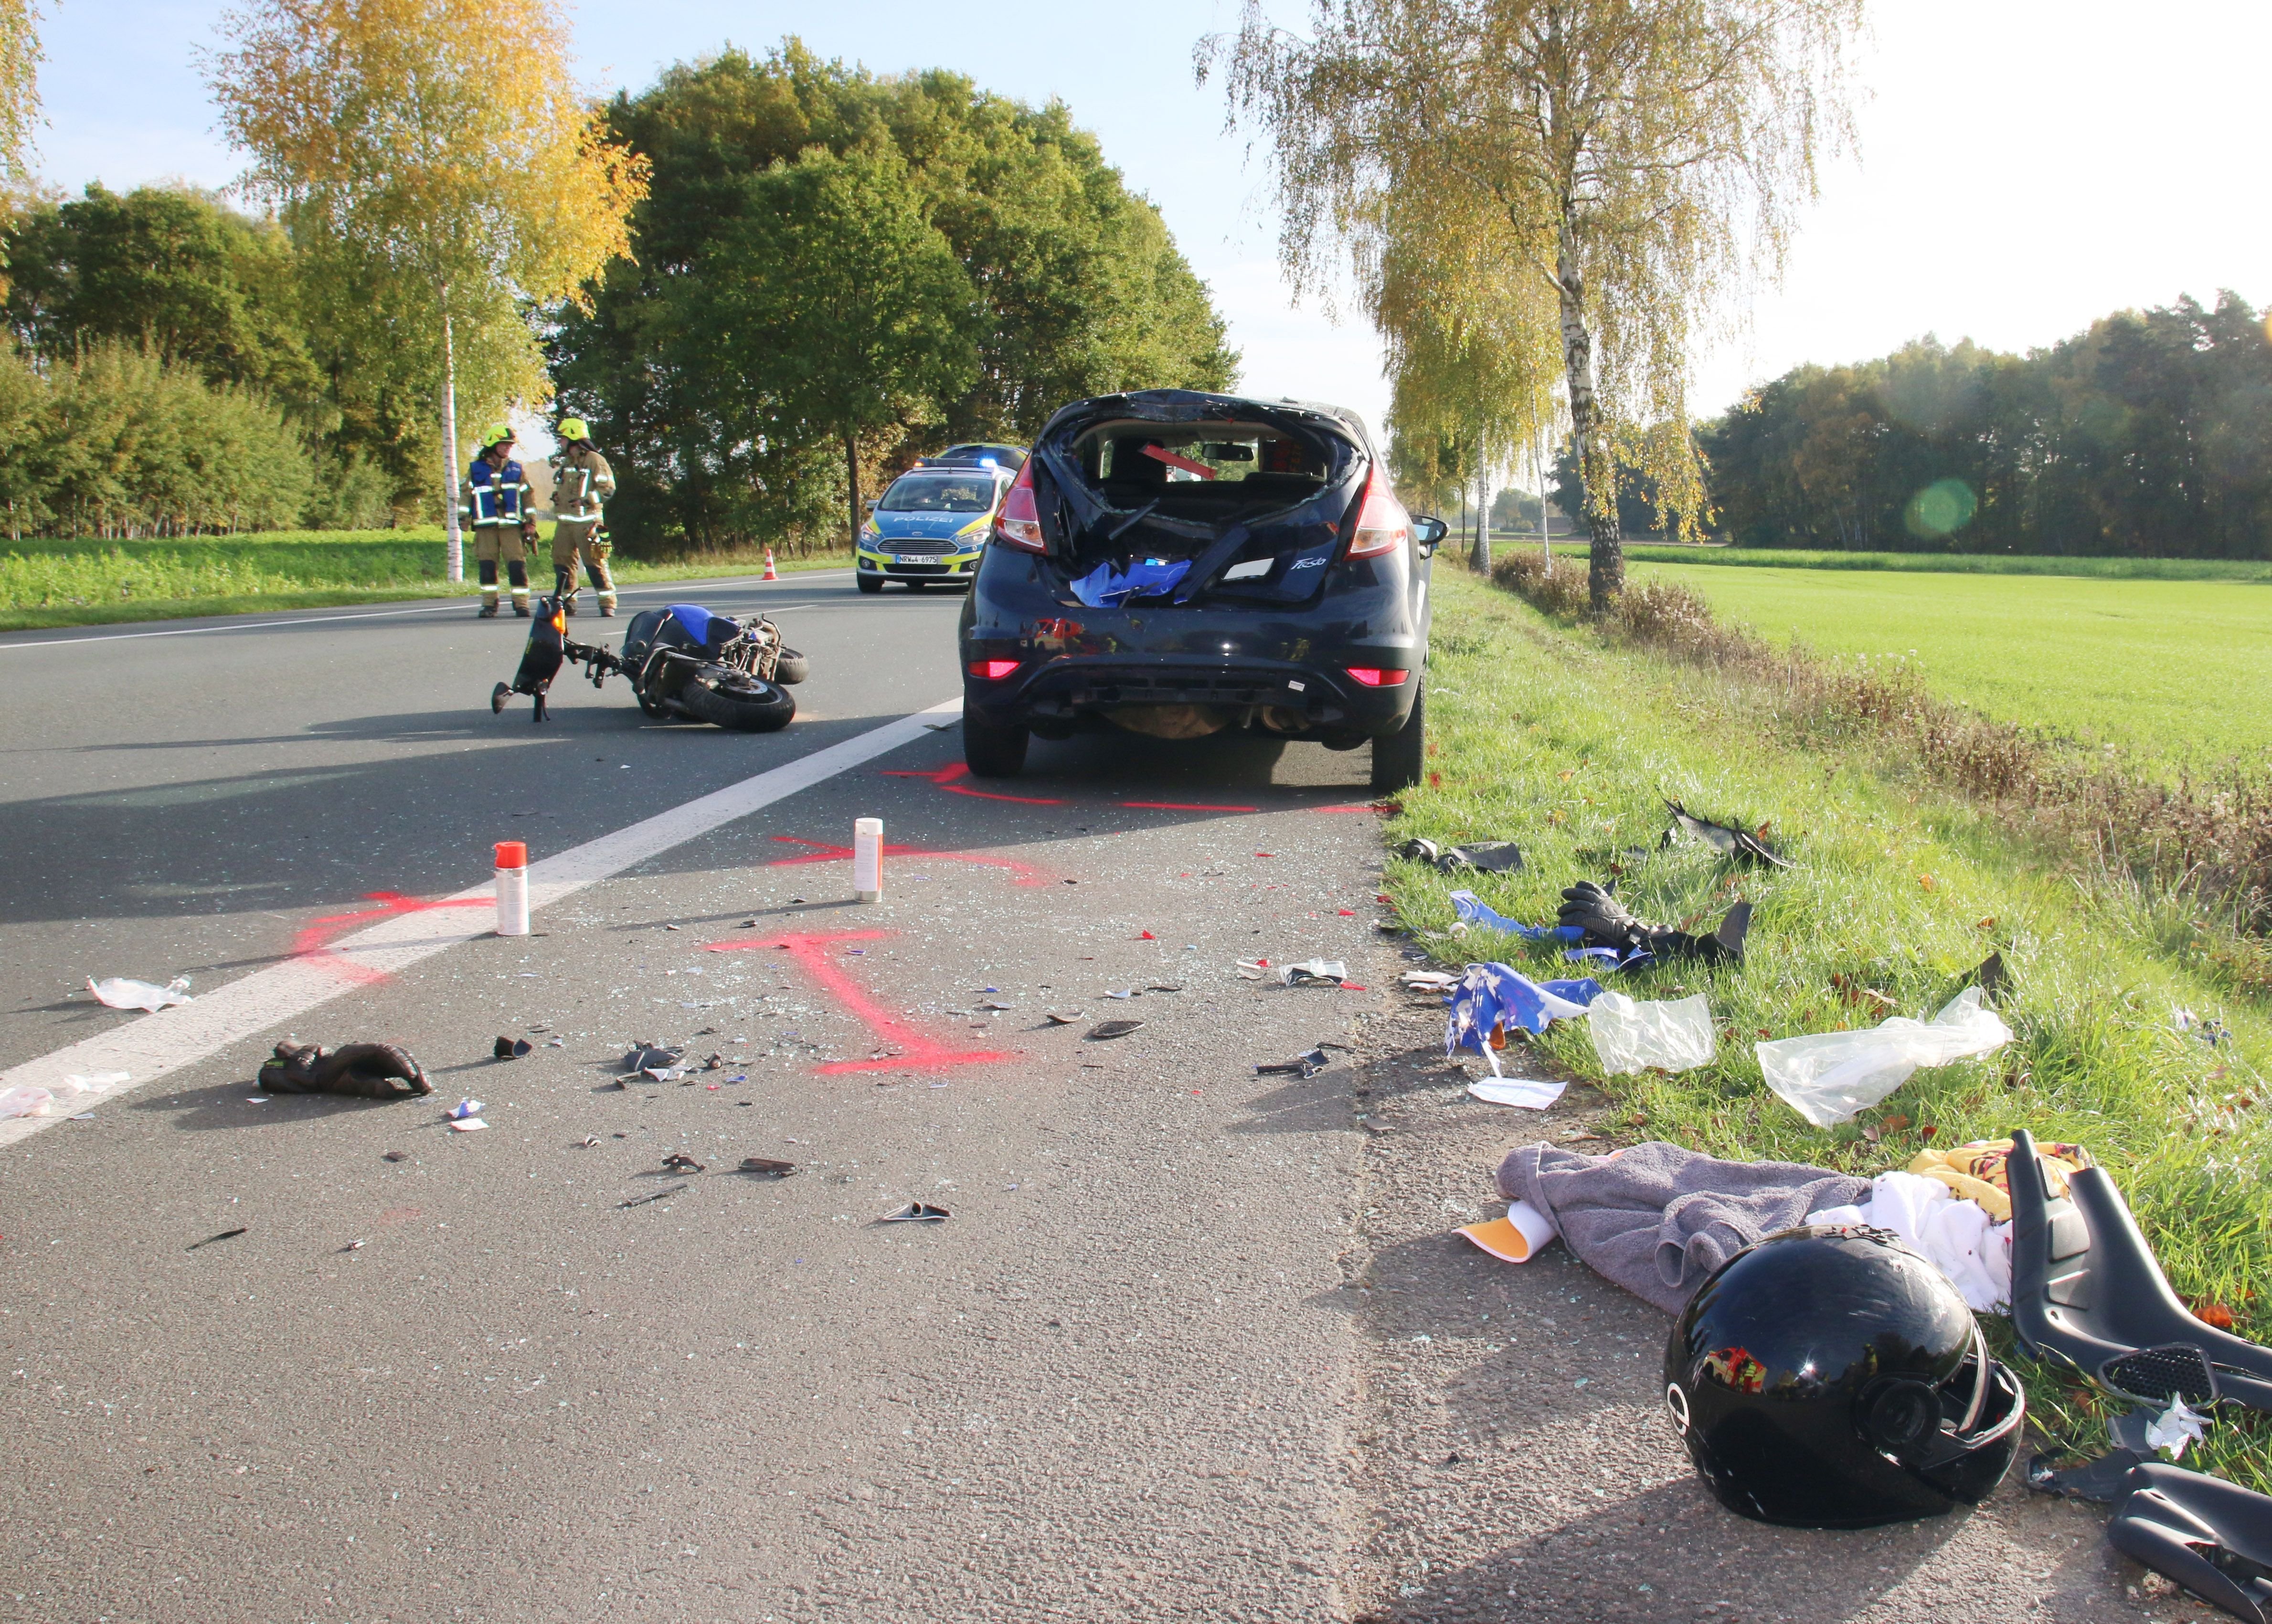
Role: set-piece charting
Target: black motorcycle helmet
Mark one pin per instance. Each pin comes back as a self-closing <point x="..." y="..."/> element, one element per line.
<point x="1828" y="1377"/>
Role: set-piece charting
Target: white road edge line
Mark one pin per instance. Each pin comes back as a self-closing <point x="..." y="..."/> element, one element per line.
<point x="150" y="1046"/>
<point x="457" y="605"/>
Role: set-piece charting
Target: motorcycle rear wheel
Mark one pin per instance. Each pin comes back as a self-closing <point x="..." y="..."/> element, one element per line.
<point x="740" y="702"/>
<point x="793" y="667"/>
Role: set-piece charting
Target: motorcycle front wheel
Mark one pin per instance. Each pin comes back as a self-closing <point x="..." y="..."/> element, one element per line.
<point x="739" y="701"/>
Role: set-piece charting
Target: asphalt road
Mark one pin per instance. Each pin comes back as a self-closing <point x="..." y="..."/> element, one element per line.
<point x="1193" y="1342"/>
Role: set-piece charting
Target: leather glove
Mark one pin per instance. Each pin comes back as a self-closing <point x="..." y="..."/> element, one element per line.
<point x="364" y="1070"/>
<point x="1607" y="923"/>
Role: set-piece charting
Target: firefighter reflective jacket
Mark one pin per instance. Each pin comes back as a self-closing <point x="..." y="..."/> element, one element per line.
<point x="581" y="483"/>
<point x="495" y="496"/>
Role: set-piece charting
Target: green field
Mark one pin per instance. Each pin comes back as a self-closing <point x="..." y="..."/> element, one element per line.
<point x="84" y="583"/>
<point x="1953" y="563"/>
<point x="2177" y="672"/>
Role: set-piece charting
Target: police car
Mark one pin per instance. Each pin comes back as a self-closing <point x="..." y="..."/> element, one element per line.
<point x="932" y="522"/>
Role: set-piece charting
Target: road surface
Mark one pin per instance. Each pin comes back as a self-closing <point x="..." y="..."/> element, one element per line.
<point x="1192" y="1343"/>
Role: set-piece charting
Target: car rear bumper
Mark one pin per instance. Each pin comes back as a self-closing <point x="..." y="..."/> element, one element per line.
<point x="1283" y="671"/>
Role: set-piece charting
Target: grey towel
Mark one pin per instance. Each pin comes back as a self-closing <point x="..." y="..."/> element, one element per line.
<point x="1658" y="1219"/>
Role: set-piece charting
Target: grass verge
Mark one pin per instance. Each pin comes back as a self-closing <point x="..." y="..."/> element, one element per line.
<point x="1542" y="735"/>
<point x="83" y="582"/>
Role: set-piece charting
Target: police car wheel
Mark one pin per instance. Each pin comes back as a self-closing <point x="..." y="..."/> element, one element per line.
<point x="871" y="584"/>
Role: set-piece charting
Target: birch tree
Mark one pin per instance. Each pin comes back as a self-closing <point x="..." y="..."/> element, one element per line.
<point x="1647" y="158"/>
<point x="19" y="86"/>
<point x="435" y="158"/>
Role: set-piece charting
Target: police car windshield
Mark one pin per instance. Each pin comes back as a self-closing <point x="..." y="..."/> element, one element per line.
<point x="940" y="493"/>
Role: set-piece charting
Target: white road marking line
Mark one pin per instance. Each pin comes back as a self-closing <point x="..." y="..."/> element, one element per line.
<point x="456" y="605"/>
<point x="151" y="1045"/>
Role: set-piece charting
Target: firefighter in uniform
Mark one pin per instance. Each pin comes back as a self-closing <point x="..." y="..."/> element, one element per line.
<point x="496" y="506"/>
<point x="581" y="484"/>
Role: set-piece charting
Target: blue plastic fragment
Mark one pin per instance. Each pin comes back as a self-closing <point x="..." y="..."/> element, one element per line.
<point x="1494" y="994"/>
<point x="1473" y="910"/>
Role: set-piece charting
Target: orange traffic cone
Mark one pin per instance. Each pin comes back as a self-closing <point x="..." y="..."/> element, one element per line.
<point x="770" y="574"/>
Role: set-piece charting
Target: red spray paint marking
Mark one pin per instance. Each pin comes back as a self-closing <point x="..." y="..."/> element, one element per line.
<point x="917" y="1050"/>
<point x="823" y="852"/>
<point x="310" y="943"/>
<point x="1362" y="807"/>
<point x="1182" y="806"/>
<point x="944" y="779"/>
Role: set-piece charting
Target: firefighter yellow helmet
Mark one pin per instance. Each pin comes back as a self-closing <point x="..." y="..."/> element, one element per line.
<point x="574" y="429"/>
<point x="496" y="434"/>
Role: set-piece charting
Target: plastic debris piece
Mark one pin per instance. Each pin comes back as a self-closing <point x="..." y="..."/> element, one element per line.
<point x="1473" y="910"/>
<point x="589" y="1142"/>
<point x="1130" y="993"/>
<point x="511" y="1048"/>
<point x="352" y="1245"/>
<point x="1828" y="1077"/>
<point x="1672" y="1035"/>
<point x="465" y="1108"/>
<point x="1429" y="981"/>
<point x="394" y="1156"/>
<point x="1516" y="1238"/>
<point x="679" y="1161"/>
<point x="1160" y="989"/>
<point x="991" y="1004"/>
<point x="1302" y="1065"/>
<point x="120" y="992"/>
<point x="469" y="1125"/>
<point x="1491" y="998"/>
<point x="93" y="1080"/>
<point x="767" y="1167"/>
<point x="1145" y="935"/>
<point x="1315" y="973"/>
<point x="1486" y="856"/>
<point x="226" y="1234"/>
<point x="646" y="1055"/>
<point x="1061" y="1017"/>
<point x="1112" y="1029"/>
<point x="1991" y="978"/>
<point x="1743" y="846"/>
<point x="917" y="1212"/>
<point x="363" y="1071"/>
<point x="1531" y="1093"/>
<point x="641" y="1201"/>
<point x="2175" y="1427"/>
<point x="25" y="1100"/>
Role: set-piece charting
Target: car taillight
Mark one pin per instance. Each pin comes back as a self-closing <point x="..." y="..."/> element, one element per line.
<point x="992" y="670"/>
<point x="1382" y="524"/>
<point x="1019" y="524"/>
<point x="1378" y="676"/>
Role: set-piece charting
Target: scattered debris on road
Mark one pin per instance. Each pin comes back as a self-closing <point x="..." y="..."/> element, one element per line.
<point x="120" y="992"/>
<point x="465" y="1108"/>
<point x="916" y="1213"/>
<point x="226" y="1234"/>
<point x="469" y="1125"/>
<point x="361" y="1070"/>
<point x="1061" y="1017"/>
<point x="766" y="1167"/>
<point x="1485" y="856"/>
<point x="1315" y="973"/>
<point x="679" y="1161"/>
<point x="1302" y="1065"/>
<point x="511" y="1048"/>
<point x="1109" y="1029"/>
<point x="1531" y="1093"/>
<point x="641" y="1201"/>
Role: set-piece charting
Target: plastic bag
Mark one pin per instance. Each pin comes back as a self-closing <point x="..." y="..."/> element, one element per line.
<point x="124" y="993"/>
<point x="25" y="1100"/>
<point x="1828" y="1077"/>
<point x="1672" y="1036"/>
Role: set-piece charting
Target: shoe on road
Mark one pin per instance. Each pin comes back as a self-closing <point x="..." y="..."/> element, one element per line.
<point x="487" y="611"/>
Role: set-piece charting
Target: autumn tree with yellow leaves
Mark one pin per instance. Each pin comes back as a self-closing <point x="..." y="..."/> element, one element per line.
<point x="20" y="85"/>
<point x="1639" y="160"/>
<point x="437" y="165"/>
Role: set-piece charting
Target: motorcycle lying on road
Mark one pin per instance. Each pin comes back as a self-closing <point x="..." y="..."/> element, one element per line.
<point x="680" y="661"/>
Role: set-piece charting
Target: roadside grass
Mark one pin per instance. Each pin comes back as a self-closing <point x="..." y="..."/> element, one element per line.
<point x="2173" y="675"/>
<point x="1920" y="564"/>
<point x="84" y="583"/>
<point x="1542" y="735"/>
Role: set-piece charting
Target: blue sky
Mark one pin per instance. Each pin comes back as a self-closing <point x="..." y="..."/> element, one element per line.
<point x="2024" y="169"/>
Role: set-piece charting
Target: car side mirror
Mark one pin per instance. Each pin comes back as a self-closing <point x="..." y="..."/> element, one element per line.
<point x="1427" y="531"/>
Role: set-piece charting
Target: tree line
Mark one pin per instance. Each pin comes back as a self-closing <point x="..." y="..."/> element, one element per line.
<point x="765" y="280"/>
<point x="2148" y="434"/>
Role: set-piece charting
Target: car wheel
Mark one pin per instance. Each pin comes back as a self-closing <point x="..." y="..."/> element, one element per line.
<point x="869" y="584"/>
<point x="1397" y="756"/>
<point x="992" y="752"/>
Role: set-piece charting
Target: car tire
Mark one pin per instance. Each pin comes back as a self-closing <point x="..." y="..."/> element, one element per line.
<point x="792" y="667"/>
<point x="739" y="703"/>
<point x="992" y="752"/>
<point x="915" y="586"/>
<point x="1397" y="756"/>
<point x="869" y="584"/>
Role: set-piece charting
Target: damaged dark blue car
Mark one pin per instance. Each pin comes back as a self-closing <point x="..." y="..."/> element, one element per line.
<point x="1176" y="563"/>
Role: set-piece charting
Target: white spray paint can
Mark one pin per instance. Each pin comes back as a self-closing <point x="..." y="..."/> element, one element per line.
<point x="511" y="888"/>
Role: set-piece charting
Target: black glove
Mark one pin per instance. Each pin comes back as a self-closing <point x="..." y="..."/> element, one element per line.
<point x="366" y="1070"/>
<point x="1606" y="922"/>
